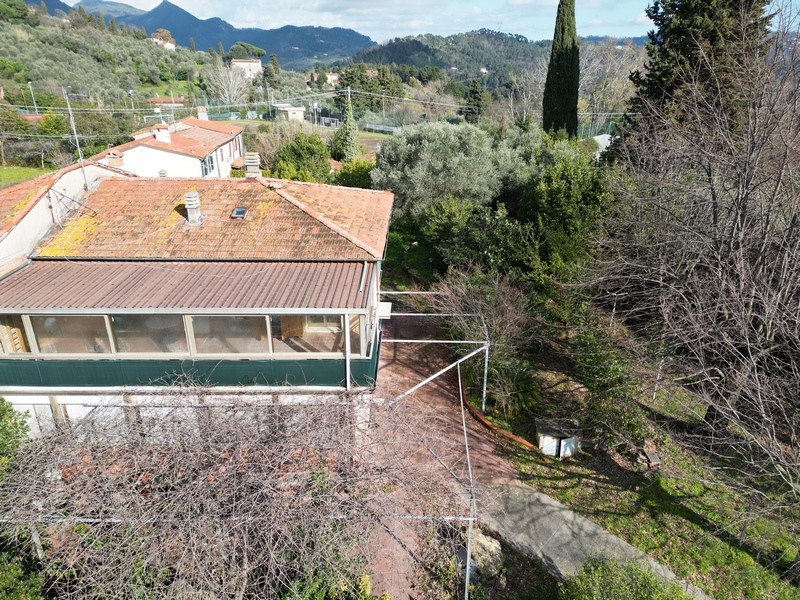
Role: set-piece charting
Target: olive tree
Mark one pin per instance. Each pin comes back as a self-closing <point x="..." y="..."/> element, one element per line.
<point x="429" y="162"/>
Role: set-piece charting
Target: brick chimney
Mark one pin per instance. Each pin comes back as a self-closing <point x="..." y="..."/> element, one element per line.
<point x="252" y="164"/>
<point x="161" y="133"/>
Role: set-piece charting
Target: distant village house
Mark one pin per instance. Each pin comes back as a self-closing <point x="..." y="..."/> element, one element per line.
<point x="191" y="147"/>
<point x="250" y="66"/>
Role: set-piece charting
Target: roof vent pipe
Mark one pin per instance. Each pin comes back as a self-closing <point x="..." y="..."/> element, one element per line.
<point x="192" y="202"/>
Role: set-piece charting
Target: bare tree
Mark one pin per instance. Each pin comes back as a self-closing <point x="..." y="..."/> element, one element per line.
<point x="524" y="94"/>
<point x="488" y="306"/>
<point x="704" y="254"/>
<point x="435" y="99"/>
<point x="266" y="143"/>
<point x="605" y="82"/>
<point x="221" y="497"/>
<point x="227" y="83"/>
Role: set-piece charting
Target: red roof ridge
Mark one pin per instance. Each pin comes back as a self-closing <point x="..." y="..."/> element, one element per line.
<point x="319" y="217"/>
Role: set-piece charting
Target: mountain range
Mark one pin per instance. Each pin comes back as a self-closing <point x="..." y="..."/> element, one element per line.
<point x="296" y="47"/>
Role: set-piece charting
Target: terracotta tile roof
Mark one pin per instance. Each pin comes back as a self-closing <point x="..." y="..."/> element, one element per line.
<point x="178" y="145"/>
<point x="145" y="219"/>
<point x="55" y="285"/>
<point x="16" y="200"/>
<point x="364" y="214"/>
<point x="208" y="137"/>
<point x="212" y="125"/>
<point x="198" y="138"/>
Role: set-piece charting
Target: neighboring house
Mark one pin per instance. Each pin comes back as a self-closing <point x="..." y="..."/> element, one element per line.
<point x="235" y="284"/>
<point x="250" y="66"/>
<point x="190" y="147"/>
<point x="159" y="102"/>
<point x="287" y="112"/>
<point x="164" y="44"/>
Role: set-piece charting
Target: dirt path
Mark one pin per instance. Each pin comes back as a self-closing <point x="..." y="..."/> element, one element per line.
<point x="532" y="522"/>
<point x="402" y="366"/>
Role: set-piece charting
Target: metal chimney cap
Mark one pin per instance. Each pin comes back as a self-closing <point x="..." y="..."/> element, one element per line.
<point x="192" y="202"/>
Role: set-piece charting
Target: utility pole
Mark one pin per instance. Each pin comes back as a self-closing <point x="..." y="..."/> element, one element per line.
<point x="383" y="104"/>
<point x="35" y="108"/>
<point x="77" y="141"/>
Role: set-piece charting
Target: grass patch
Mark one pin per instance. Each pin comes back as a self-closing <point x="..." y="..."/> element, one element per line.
<point x="411" y="261"/>
<point x="674" y="515"/>
<point x="11" y="175"/>
<point x="681" y="515"/>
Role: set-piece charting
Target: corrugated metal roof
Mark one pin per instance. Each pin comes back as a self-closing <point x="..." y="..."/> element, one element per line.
<point x="168" y="285"/>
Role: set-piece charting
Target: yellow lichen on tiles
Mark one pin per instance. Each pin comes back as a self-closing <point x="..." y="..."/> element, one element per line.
<point x="24" y="202"/>
<point x="71" y="237"/>
<point x="260" y="209"/>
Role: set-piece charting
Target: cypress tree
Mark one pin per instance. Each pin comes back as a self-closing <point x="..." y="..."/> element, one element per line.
<point x="478" y="100"/>
<point x="560" y="99"/>
<point x="191" y="45"/>
<point x="694" y="43"/>
<point x="349" y="147"/>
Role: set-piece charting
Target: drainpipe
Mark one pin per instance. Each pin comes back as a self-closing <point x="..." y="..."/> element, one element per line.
<point x="346" y="325"/>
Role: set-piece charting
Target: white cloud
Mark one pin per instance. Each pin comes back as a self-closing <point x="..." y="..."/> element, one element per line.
<point x="385" y="19"/>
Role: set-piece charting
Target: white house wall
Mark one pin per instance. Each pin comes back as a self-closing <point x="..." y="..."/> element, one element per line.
<point x="147" y="162"/>
<point x="224" y="157"/>
<point x="45" y="412"/>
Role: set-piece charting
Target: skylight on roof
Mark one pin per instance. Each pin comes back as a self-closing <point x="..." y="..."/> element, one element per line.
<point x="239" y="212"/>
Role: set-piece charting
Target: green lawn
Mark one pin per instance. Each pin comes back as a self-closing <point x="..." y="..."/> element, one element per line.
<point x="9" y="175"/>
<point x="678" y="514"/>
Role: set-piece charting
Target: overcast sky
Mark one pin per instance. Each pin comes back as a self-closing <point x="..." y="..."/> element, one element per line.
<point x="385" y="19"/>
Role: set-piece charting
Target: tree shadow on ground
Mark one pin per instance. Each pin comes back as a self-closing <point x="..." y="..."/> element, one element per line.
<point x="603" y="486"/>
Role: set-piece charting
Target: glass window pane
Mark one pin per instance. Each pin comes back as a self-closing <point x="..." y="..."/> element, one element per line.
<point x="307" y="333"/>
<point x="222" y="335"/>
<point x="149" y="333"/>
<point x="355" y="334"/>
<point x="12" y="335"/>
<point x="71" y="334"/>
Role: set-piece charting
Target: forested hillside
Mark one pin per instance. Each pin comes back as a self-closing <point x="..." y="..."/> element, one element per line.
<point x="503" y="56"/>
<point x="99" y="62"/>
